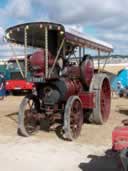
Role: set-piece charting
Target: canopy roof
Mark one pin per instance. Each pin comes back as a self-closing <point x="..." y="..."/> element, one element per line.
<point x="35" y="34"/>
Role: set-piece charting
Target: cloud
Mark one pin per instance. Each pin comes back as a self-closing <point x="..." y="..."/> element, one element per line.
<point x="14" y="11"/>
<point x="1" y="35"/>
<point x="18" y="9"/>
<point x="108" y="18"/>
<point x="80" y="11"/>
<point x="1" y="32"/>
<point x="118" y="37"/>
<point x="6" y="50"/>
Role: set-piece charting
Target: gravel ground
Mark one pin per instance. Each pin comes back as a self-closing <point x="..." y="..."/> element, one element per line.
<point x="46" y="151"/>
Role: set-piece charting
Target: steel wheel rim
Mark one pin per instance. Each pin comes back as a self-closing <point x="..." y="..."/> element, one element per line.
<point x="76" y="118"/>
<point x="105" y="100"/>
<point x="30" y="122"/>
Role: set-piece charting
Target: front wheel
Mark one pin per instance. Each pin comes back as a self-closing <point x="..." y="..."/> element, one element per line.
<point x="27" y="122"/>
<point x="73" y="118"/>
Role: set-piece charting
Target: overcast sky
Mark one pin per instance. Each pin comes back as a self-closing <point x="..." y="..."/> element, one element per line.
<point x="105" y="20"/>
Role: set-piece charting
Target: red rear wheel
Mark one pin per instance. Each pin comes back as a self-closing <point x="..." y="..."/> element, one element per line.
<point x="100" y="85"/>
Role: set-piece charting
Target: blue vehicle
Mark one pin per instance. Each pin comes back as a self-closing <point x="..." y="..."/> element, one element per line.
<point x="2" y="86"/>
<point x="120" y="82"/>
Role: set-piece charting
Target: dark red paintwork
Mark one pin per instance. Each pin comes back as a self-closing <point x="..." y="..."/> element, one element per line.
<point x="37" y="61"/>
<point x="120" y="138"/>
<point x="87" y="71"/>
<point x="105" y="100"/>
<point x="87" y="99"/>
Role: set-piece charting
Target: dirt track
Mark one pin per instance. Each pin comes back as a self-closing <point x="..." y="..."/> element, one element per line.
<point x="46" y="151"/>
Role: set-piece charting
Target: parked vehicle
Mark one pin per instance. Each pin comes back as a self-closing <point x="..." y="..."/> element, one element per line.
<point x="65" y="92"/>
<point x="2" y="86"/>
<point x="15" y="81"/>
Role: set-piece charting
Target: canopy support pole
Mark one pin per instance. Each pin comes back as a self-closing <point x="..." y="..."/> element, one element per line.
<point x="46" y="52"/>
<point x="25" y="50"/>
<point x="64" y="54"/>
<point x="17" y="61"/>
<point x="80" y="55"/>
<point x="98" y="60"/>
<point x="105" y="61"/>
<point x="83" y="51"/>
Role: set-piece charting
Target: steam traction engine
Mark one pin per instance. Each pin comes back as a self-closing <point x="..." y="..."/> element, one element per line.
<point x="68" y="90"/>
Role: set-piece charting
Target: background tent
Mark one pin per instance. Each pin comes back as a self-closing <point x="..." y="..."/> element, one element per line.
<point x="122" y="76"/>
